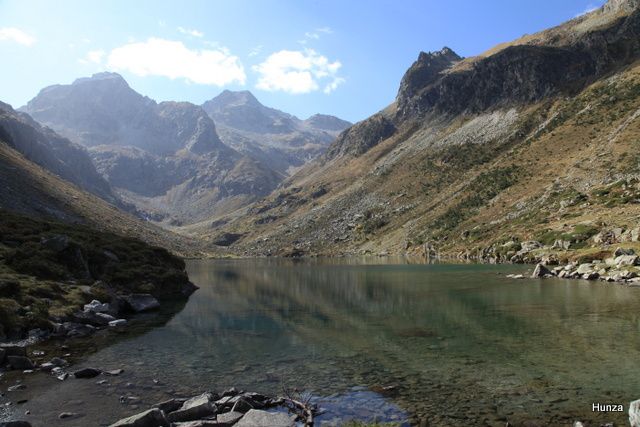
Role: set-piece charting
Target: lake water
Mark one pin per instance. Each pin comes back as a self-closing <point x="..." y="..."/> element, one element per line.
<point x="373" y="340"/>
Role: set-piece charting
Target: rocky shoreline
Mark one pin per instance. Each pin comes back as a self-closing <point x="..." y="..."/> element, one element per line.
<point x="623" y="268"/>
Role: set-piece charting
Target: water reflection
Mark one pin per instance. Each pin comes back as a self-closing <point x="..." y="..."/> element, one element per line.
<point x="456" y="344"/>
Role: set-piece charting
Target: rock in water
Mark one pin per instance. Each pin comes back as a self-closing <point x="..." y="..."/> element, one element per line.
<point x="151" y="418"/>
<point x="258" y="418"/>
<point x="634" y="413"/>
<point x="194" y="408"/>
<point x="20" y="362"/>
<point x="87" y="373"/>
<point x="142" y="302"/>
<point x="540" y="271"/>
<point x="15" y="424"/>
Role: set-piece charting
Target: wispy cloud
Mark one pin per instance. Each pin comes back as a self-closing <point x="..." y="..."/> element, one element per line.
<point x="315" y="34"/>
<point x="17" y="36"/>
<point x="191" y="32"/>
<point x="298" y="72"/>
<point x="255" y="51"/>
<point x="172" y="59"/>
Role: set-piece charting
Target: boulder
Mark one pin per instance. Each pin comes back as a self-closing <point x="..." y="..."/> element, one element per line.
<point x="623" y="251"/>
<point x="634" y="413"/>
<point x="151" y="418"/>
<point x="170" y="405"/>
<point x="57" y="361"/>
<point x="20" y="362"/>
<point x="118" y="322"/>
<point x="258" y="418"/>
<point x="141" y="302"/>
<point x="584" y="269"/>
<point x="199" y="423"/>
<point x="229" y="418"/>
<point x="243" y="405"/>
<point x="626" y="260"/>
<point x="92" y="318"/>
<point x="87" y="373"/>
<point x="540" y="271"/>
<point x="97" y="307"/>
<point x="75" y="329"/>
<point x="529" y="246"/>
<point x="194" y="408"/>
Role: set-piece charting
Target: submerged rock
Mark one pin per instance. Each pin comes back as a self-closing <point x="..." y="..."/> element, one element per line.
<point x="20" y="362"/>
<point x="141" y="302"/>
<point x="87" y="373"/>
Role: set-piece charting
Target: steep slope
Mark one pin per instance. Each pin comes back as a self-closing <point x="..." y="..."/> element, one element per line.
<point x="533" y="139"/>
<point x="49" y="150"/>
<point x="28" y="189"/>
<point x="166" y="159"/>
<point x="279" y="139"/>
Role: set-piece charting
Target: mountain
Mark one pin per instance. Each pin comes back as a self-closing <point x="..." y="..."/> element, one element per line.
<point x="44" y="175"/>
<point x="164" y="158"/>
<point x="279" y="139"/>
<point x="51" y="151"/>
<point x="534" y="139"/>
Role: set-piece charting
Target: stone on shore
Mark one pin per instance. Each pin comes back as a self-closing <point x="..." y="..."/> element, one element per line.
<point x="14" y="350"/>
<point x="97" y="307"/>
<point x="171" y="405"/>
<point x="540" y="271"/>
<point x="141" y="302"/>
<point x="258" y="418"/>
<point x="229" y="418"/>
<point x="194" y="408"/>
<point x="151" y="418"/>
<point x="200" y="423"/>
<point x="117" y="322"/>
<point x="87" y="373"/>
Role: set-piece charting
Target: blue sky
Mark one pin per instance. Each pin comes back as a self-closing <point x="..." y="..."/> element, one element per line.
<point x="301" y="56"/>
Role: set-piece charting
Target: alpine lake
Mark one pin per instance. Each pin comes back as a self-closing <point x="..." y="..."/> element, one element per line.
<point x="375" y="340"/>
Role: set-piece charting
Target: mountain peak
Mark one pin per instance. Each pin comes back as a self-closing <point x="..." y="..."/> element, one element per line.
<point x="445" y="53"/>
<point x="621" y="5"/>
<point x="103" y="77"/>
<point x="228" y="98"/>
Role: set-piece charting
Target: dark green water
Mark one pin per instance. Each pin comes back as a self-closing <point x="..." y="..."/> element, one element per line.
<point x="457" y="344"/>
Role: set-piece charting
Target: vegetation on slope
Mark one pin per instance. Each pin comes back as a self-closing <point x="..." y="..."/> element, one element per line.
<point x="49" y="269"/>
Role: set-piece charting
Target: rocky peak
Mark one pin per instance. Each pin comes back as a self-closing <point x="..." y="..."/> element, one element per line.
<point x="425" y="70"/>
<point x="327" y="122"/>
<point x="626" y="6"/>
<point x="230" y="98"/>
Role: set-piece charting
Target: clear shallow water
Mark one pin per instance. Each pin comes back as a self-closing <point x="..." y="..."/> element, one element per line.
<point x="455" y="344"/>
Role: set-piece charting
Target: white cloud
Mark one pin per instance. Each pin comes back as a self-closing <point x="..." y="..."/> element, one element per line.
<point x="172" y="59"/>
<point x="298" y="72"/>
<point x="93" y="57"/>
<point x="314" y="36"/>
<point x="337" y="81"/>
<point x="16" y="35"/>
<point x="194" y="33"/>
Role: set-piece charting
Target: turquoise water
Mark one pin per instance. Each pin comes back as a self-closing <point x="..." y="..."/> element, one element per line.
<point x="383" y="340"/>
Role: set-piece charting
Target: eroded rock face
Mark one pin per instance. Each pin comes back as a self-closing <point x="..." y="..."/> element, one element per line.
<point x="362" y="136"/>
<point x="521" y="73"/>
